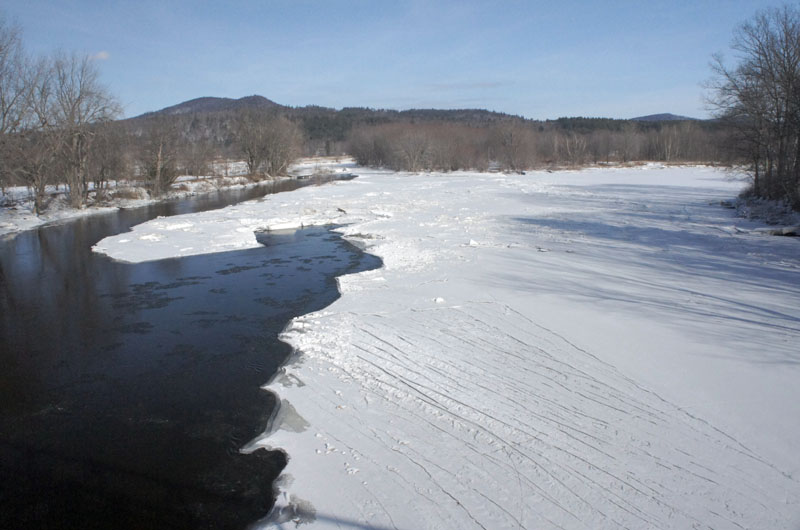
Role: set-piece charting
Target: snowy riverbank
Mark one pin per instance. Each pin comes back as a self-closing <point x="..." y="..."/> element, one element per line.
<point x="590" y="349"/>
<point x="17" y="210"/>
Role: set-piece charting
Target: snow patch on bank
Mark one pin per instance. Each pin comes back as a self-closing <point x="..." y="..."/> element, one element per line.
<point x="18" y="214"/>
<point x="17" y="209"/>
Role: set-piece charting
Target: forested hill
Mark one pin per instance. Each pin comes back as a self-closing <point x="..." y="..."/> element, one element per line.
<point x="209" y="117"/>
<point x="213" y="104"/>
<point x="662" y="117"/>
<point x="323" y="121"/>
<point x="256" y="102"/>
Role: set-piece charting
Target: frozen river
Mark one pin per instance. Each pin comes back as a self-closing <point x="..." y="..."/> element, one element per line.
<point x="604" y="348"/>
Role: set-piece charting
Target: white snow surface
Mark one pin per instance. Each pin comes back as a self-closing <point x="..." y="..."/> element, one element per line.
<point x="589" y="349"/>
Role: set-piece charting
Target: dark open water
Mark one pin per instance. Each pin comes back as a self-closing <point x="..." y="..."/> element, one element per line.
<point x="127" y="390"/>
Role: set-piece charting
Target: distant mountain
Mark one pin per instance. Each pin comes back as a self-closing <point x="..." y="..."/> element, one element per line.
<point x="475" y="116"/>
<point x="206" y="105"/>
<point x="212" y="104"/>
<point x="663" y="117"/>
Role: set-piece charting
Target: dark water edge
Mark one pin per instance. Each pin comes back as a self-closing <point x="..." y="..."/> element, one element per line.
<point x="126" y="391"/>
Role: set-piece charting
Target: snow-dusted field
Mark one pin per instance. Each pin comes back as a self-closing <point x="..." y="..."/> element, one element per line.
<point x="590" y="349"/>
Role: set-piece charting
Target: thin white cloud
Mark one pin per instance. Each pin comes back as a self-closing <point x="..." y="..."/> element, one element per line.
<point x="101" y="55"/>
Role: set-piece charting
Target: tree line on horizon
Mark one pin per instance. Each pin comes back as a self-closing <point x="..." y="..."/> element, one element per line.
<point x="523" y="145"/>
<point x="59" y="126"/>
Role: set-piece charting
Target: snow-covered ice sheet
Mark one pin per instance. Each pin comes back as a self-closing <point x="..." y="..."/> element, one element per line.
<point x="591" y="349"/>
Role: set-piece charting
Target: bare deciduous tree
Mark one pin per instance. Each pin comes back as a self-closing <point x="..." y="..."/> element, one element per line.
<point x="107" y="159"/>
<point x="600" y="146"/>
<point x="14" y="88"/>
<point x="370" y="147"/>
<point x="14" y="94"/>
<point x="195" y="158"/>
<point x="80" y="101"/>
<point x="571" y="147"/>
<point x="513" y="146"/>
<point x="412" y="146"/>
<point x="629" y="143"/>
<point x="284" y="141"/>
<point x="32" y="150"/>
<point x="760" y="98"/>
<point x="269" y="143"/>
<point x="249" y="135"/>
<point x="158" y="155"/>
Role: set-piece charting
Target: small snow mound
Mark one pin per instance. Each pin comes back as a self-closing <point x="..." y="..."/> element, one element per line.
<point x="382" y="213"/>
<point x="177" y="226"/>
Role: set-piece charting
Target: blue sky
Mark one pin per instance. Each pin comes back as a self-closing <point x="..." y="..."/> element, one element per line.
<point x="538" y="59"/>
